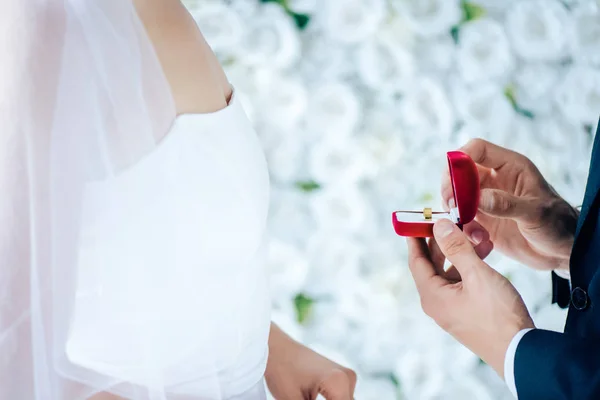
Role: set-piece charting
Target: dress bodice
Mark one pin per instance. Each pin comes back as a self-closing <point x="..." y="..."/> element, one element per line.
<point x="171" y="279"/>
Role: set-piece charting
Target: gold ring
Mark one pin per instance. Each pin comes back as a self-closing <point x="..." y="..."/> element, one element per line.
<point x="428" y="214"/>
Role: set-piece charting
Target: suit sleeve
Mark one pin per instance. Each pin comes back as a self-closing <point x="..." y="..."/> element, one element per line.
<point x="552" y="365"/>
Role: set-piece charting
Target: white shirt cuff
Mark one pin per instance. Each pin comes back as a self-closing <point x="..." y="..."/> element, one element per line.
<point x="509" y="361"/>
<point x="565" y="274"/>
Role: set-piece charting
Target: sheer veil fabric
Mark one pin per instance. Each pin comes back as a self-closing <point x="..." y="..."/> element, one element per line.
<point x="83" y="104"/>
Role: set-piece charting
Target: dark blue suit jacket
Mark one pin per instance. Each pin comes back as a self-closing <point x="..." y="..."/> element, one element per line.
<point x="556" y="366"/>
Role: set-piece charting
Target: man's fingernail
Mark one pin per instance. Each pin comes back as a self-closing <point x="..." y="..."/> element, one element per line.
<point x="443" y="228"/>
<point x="477" y="236"/>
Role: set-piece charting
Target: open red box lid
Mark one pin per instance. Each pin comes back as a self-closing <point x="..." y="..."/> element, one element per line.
<point x="465" y="184"/>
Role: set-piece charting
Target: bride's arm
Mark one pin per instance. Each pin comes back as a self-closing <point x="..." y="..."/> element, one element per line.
<point x="197" y="81"/>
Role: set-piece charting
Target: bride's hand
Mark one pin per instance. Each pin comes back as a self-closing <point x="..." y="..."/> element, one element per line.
<point x="295" y="372"/>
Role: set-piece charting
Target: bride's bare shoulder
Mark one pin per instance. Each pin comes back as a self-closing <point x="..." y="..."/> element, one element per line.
<point x="197" y="80"/>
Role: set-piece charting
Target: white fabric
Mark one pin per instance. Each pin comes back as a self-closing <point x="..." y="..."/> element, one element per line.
<point x="509" y="361"/>
<point x="132" y="240"/>
<point x="565" y="274"/>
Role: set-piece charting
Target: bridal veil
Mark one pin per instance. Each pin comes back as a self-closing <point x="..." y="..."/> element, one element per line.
<point x="83" y="98"/>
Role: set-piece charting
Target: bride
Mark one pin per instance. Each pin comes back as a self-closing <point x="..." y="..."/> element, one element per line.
<point x="133" y="214"/>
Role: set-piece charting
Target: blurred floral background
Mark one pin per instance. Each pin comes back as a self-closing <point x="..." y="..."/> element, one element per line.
<point x="356" y="103"/>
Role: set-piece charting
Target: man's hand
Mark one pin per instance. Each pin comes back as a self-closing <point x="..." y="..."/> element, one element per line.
<point x="471" y="301"/>
<point x="526" y="219"/>
<point x="295" y="372"/>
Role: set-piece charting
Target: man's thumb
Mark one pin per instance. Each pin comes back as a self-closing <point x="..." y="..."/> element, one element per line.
<point x="501" y="204"/>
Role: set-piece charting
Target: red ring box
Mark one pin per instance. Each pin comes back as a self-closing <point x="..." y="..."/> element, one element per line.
<point x="465" y="184"/>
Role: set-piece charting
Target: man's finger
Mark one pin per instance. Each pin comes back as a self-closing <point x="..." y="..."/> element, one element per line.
<point x="437" y="257"/>
<point x="501" y="204"/>
<point x="456" y="246"/>
<point x="488" y="154"/>
<point x="421" y="267"/>
<point x="476" y="232"/>
<point x="482" y="250"/>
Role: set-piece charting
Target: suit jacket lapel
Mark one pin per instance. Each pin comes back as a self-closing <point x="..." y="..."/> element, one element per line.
<point x="593" y="184"/>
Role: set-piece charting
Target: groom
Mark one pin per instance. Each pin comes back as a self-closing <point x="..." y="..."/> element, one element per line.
<point x="525" y="219"/>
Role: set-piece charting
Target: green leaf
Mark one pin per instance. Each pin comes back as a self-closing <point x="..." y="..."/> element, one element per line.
<point x="308" y="186"/>
<point x="472" y="11"/>
<point x="454" y="33"/>
<point x="426" y="198"/>
<point x="509" y="93"/>
<point x="394" y="380"/>
<point x="301" y="20"/>
<point x="304" y="307"/>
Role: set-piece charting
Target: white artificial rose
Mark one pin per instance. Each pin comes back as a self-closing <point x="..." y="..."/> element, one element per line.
<point x="289" y="216"/>
<point x="429" y="18"/>
<point x="338" y="160"/>
<point x="485" y="109"/>
<point x="342" y="209"/>
<point x="351" y="21"/>
<point x="464" y="387"/>
<point x="539" y="29"/>
<point x="271" y="39"/>
<point x="436" y="55"/>
<point x="286" y="159"/>
<point x="534" y="87"/>
<point x="376" y="389"/>
<point x="384" y="68"/>
<point x="483" y="52"/>
<point x="221" y="26"/>
<point x="303" y="6"/>
<point x="381" y="144"/>
<point x="333" y="110"/>
<point x="586" y="32"/>
<point x="288" y="269"/>
<point x="283" y="99"/>
<point x="578" y="96"/>
<point x="426" y="111"/>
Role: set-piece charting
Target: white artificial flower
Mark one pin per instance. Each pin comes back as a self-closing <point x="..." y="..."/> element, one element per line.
<point x="286" y="158"/>
<point x="463" y="387"/>
<point x="342" y="209"/>
<point x="289" y="216"/>
<point x="338" y="160"/>
<point x="221" y="26"/>
<point x="578" y="96"/>
<point x="483" y="52"/>
<point x="436" y="55"/>
<point x="303" y="6"/>
<point x="418" y="372"/>
<point x="429" y="18"/>
<point x="586" y="41"/>
<point x="324" y="59"/>
<point x="485" y="109"/>
<point x="333" y="110"/>
<point x="539" y="29"/>
<point x="534" y="87"/>
<point x="351" y="21"/>
<point x="426" y="110"/>
<point x="288" y="269"/>
<point x="271" y="40"/>
<point x="395" y="31"/>
<point x="382" y="143"/>
<point x="376" y="389"/>
<point x="384" y="68"/>
<point x="284" y="100"/>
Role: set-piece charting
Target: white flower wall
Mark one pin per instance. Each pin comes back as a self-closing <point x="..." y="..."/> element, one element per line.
<point x="356" y="103"/>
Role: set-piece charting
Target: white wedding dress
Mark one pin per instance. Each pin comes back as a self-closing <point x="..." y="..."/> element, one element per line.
<point x="145" y="276"/>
